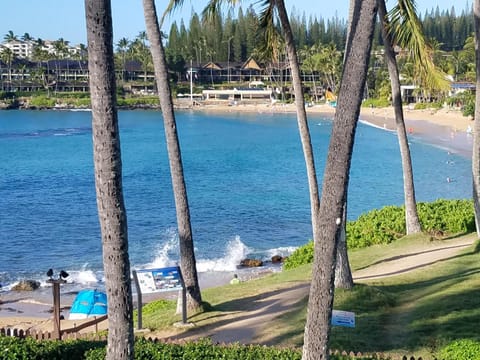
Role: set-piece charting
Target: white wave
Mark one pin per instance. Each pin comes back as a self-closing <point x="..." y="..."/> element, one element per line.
<point x="83" y="277"/>
<point x="235" y="251"/>
<point x="282" y="251"/>
<point x="168" y="253"/>
<point x="364" y="122"/>
<point x="223" y="260"/>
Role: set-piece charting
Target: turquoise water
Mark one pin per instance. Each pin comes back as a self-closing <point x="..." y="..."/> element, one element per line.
<point x="245" y="178"/>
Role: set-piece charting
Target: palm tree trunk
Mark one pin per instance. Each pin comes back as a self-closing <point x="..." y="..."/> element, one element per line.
<point x="301" y="117"/>
<point x="336" y="178"/>
<point x="108" y="179"/>
<point x="411" y="215"/>
<point x="187" y="253"/>
<point x="476" y="125"/>
<point x="343" y="272"/>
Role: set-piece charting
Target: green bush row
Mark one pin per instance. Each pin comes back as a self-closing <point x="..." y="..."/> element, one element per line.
<point x="12" y="348"/>
<point x="439" y="218"/>
<point x="28" y="349"/>
<point x="42" y="102"/>
<point x="425" y="106"/>
<point x="461" y="349"/>
<point x="45" y="101"/>
<point x="376" y="103"/>
<point x="136" y="101"/>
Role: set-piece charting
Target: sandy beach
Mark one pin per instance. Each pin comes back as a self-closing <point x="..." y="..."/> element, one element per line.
<point x="446" y="128"/>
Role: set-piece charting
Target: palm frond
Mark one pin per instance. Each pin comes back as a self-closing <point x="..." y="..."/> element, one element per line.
<point x="214" y="8"/>
<point x="273" y="41"/>
<point x="405" y="29"/>
<point x="172" y="5"/>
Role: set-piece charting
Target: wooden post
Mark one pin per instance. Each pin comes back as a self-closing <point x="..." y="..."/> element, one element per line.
<point x="184" y="304"/>
<point x="56" y="306"/>
<point x="139" y="301"/>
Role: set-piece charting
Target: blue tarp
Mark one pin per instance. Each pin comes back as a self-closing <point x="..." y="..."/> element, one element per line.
<point x="88" y="303"/>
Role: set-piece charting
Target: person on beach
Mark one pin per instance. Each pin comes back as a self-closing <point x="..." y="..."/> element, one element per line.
<point x="235" y="280"/>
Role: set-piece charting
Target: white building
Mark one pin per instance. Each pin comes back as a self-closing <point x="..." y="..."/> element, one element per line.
<point x="24" y="49"/>
<point x="20" y="49"/>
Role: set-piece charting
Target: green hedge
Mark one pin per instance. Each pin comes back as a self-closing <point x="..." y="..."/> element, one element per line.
<point x="42" y="102"/>
<point x="376" y="103"/>
<point x="12" y="348"/>
<point x="460" y="349"/>
<point x="28" y="349"/>
<point x="439" y="218"/>
<point x="203" y="349"/>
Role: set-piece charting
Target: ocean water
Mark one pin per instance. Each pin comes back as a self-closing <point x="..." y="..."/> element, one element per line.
<point x="245" y="176"/>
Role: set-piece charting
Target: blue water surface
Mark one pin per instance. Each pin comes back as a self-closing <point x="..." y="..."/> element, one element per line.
<point x="245" y="176"/>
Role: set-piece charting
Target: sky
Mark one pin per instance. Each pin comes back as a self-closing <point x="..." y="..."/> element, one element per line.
<point x="55" y="19"/>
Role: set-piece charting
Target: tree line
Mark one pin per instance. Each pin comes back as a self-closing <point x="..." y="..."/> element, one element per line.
<point x="237" y="38"/>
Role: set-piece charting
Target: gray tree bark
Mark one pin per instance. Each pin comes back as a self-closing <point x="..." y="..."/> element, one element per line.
<point x="187" y="252"/>
<point x="108" y="179"/>
<point x="411" y="215"/>
<point x="301" y="118"/>
<point x="336" y="177"/>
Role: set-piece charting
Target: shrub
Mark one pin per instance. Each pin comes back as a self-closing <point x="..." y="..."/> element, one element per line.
<point x="138" y="101"/>
<point x="12" y="348"/>
<point x="460" y="349"/>
<point x="202" y="349"/>
<point x="376" y="227"/>
<point x="6" y="95"/>
<point x="302" y="255"/>
<point x="383" y="226"/>
<point x="421" y="106"/>
<point x="42" y="102"/>
<point x="376" y="103"/>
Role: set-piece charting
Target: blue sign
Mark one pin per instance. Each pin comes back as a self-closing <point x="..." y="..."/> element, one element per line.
<point x="160" y="280"/>
<point x="343" y="318"/>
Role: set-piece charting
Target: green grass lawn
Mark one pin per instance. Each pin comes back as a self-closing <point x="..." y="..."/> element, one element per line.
<point x="414" y="313"/>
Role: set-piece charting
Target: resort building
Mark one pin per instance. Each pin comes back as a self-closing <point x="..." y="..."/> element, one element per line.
<point x="20" y="49"/>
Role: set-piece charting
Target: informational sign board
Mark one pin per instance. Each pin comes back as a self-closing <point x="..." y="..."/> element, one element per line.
<point x="159" y="280"/>
<point x="343" y="318"/>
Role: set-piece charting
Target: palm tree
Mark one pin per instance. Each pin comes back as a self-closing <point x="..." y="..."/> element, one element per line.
<point x="476" y="126"/>
<point x="108" y="179"/>
<point x="26" y="37"/>
<point x="187" y="251"/>
<point x="330" y="63"/>
<point x="336" y="178"/>
<point x="41" y="55"/>
<point x="122" y="47"/>
<point x="10" y="36"/>
<point x="311" y="63"/>
<point x="267" y="20"/>
<point x="7" y="56"/>
<point x="411" y="215"/>
<point x="300" y="108"/>
<point x="141" y="52"/>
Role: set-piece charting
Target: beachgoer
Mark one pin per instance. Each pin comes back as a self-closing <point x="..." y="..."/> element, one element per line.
<point x="235" y="279"/>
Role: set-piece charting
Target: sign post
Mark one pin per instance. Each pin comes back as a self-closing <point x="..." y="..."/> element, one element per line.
<point x="159" y="280"/>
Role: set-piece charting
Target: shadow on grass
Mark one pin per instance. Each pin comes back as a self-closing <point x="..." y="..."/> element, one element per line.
<point x="289" y="326"/>
<point x="411" y="268"/>
<point x="255" y="312"/>
<point x="441" y="306"/>
<point x="403" y="256"/>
